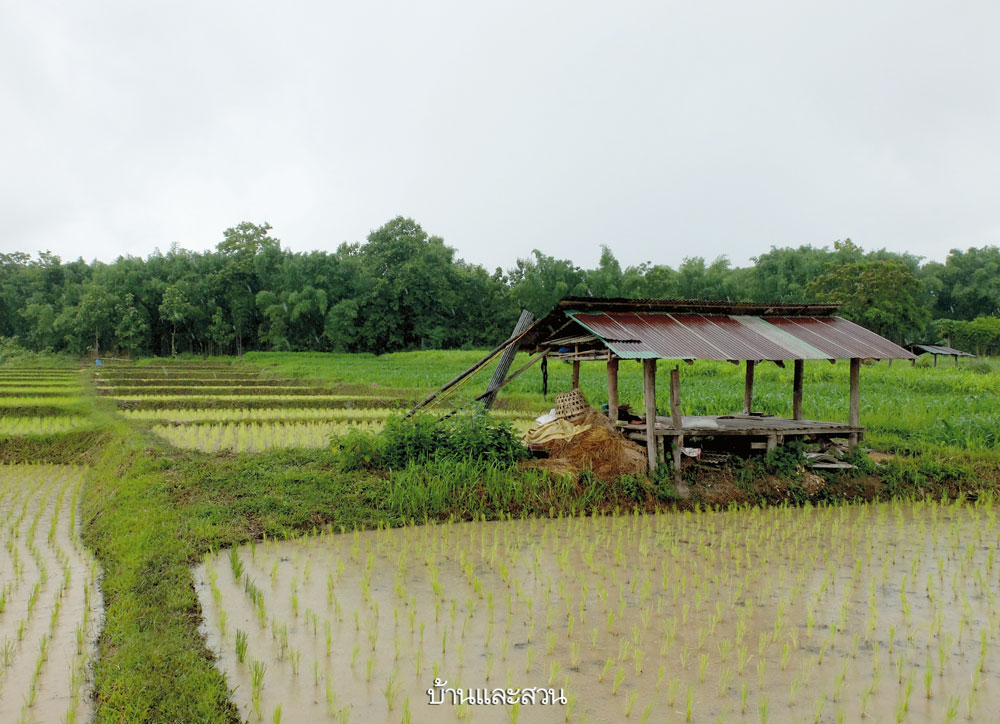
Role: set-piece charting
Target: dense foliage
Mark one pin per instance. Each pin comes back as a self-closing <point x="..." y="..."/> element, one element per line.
<point x="424" y="438"/>
<point x="404" y="289"/>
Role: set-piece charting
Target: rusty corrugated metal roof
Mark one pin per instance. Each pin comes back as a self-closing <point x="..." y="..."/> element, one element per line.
<point x="937" y="349"/>
<point x="733" y="336"/>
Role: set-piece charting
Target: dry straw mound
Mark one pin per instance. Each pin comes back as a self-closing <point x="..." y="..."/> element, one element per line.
<point x="600" y="448"/>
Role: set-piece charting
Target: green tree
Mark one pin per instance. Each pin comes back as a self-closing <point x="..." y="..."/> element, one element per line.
<point x="131" y="327"/>
<point x="41" y="325"/>
<point x="607" y="279"/>
<point x="221" y="332"/>
<point x="90" y="319"/>
<point x="967" y="285"/>
<point x="884" y="296"/>
<point x="176" y="310"/>
<point x="539" y="283"/>
<point x="982" y="334"/>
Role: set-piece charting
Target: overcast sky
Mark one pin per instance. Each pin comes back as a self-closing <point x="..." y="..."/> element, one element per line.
<point x="662" y="129"/>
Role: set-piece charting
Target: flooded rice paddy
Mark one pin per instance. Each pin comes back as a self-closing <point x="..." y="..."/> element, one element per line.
<point x="49" y="602"/>
<point x="877" y="613"/>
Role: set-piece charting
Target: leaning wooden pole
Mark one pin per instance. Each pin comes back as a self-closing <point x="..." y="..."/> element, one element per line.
<point x="506" y="360"/>
<point x="471" y="371"/>
<point x="531" y="362"/>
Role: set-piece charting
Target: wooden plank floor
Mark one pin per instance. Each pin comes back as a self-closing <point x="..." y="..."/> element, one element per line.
<point x="749" y="425"/>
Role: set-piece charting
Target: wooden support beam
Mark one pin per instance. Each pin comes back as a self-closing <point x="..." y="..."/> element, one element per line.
<point x="748" y="388"/>
<point x="935" y="361"/>
<point x="613" y="389"/>
<point x="797" y="389"/>
<point x="854" y="413"/>
<point x="545" y="377"/>
<point x="576" y="374"/>
<point x="649" y="400"/>
<point x="675" y="399"/>
<point x="508" y="380"/>
<point x="678" y="423"/>
<point x="471" y="371"/>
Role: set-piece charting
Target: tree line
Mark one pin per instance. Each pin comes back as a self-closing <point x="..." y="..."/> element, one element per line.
<point x="403" y="289"/>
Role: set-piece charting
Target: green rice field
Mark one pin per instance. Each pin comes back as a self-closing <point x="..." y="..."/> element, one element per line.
<point x="218" y="561"/>
<point x="50" y="600"/>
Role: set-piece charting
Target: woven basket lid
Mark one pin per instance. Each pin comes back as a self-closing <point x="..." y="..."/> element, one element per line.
<point x="570" y="404"/>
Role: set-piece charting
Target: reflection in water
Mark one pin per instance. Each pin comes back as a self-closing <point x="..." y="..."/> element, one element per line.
<point x="782" y="614"/>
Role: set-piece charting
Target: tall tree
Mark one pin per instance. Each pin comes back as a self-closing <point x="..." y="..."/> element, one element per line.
<point x="884" y="296"/>
<point x="176" y="310"/>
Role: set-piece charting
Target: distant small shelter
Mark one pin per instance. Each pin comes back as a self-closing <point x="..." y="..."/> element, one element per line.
<point x="586" y="329"/>
<point x="937" y="350"/>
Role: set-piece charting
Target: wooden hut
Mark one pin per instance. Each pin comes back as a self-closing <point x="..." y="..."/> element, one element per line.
<point x="936" y="350"/>
<point x="584" y="329"/>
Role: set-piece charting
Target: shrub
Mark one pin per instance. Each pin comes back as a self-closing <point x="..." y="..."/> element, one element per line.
<point x="786" y="461"/>
<point x="980" y="367"/>
<point x="426" y="438"/>
<point x="360" y="450"/>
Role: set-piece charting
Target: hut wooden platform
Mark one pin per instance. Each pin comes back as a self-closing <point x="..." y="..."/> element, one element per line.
<point x="765" y="432"/>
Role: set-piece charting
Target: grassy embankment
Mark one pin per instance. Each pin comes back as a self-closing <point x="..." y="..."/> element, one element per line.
<point x="151" y="511"/>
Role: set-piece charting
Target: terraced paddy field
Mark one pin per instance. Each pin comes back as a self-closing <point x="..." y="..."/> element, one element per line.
<point x="50" y="602"/>
<point x="231" y="408"/>
<point x="781" y="614"/>
<point x="882" y="612"/>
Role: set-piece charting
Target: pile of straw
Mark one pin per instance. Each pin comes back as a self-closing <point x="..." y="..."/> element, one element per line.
<point x="600" y="448"/>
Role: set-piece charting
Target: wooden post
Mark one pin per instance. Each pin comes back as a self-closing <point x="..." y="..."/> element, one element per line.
<point x="854" y="414"/>
<point x="613" y="389"/>
<point x="675" y="398"/>
<point x="678" y="422"/>
<point x="649" y="398"/>
<point x="797" y="390"/>
<point x="748" y="389"/>
<point x="576" y="374"/>
<point x="935" y="361"/>
<point x="545" y="377"/>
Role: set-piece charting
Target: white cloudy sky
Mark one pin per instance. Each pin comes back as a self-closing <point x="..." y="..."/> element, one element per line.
<point x="664" y="129"/>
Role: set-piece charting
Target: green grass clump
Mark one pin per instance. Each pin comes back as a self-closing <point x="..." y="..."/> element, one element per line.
<point x="425" y="438"/>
